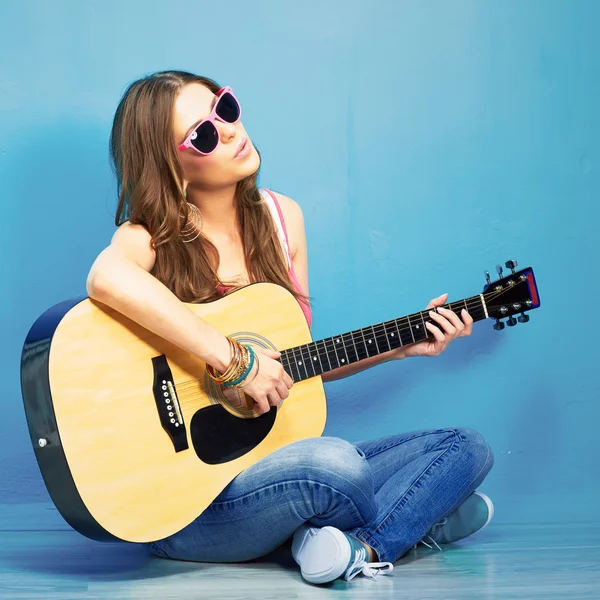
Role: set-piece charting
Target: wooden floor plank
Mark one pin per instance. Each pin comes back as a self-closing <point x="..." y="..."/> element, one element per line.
<point x="503" y="561"/>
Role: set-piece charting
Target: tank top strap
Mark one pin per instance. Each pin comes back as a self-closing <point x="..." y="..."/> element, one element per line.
<point x="277" y="215"/>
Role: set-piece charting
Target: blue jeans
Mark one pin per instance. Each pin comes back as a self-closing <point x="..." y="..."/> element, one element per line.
<point x="387" y="492"/>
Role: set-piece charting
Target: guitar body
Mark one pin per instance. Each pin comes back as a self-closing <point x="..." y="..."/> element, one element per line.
<point x="117" y="463"/>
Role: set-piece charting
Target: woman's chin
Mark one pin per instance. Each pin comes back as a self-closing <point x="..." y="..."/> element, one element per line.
<point x="250" y="164"/>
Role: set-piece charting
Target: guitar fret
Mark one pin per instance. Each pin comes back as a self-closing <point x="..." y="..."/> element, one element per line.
<point x="312" y="357"/>
<point x="306" y="360"/>
<point x="282" y="360"/>
<point x="294" y="362"/>
<point x="426" y="333"/>
<point x="375" y="339"/>
<point x="367" y="341"/>
<point x="335" y="354"/>
<point x="414" y="334"/>
<point x="414" y="328"/>
<point x="364" y="343"/>
<point x="290" y="366"/>
<point x="294" y="372"/>
<point x="303" y="360"/>
<point x="302" y="350"/>
<point x="385" y="337"/>
<point x="393" y="337"/>
<point x="404" y="332"/>
<point x="380" y="346"/>
<point x="362" y="331"/>
<point x="319" y="356"/>
<point x="398" y="332"/>
<point x="299" y="362"/>
<point x="345" y="345"/>
<point x="339" y="363"/>
<point x="411" y="330"/>
<point x="417" y="329"/>
<point x="355" y="348"/>
<point x="346" y="360"/>
<point x="327" y="355"/>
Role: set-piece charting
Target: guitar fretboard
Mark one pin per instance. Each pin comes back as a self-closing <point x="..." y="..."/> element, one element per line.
<point x="317" y="357"/>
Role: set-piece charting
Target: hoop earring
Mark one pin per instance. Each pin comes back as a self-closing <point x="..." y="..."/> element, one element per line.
<point x="195" y="216"/>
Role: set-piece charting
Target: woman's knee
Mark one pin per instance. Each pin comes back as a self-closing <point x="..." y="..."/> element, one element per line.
<point x="341" y="481"/>
<point x="333" y="461"/>
<point x="478" y="449"/>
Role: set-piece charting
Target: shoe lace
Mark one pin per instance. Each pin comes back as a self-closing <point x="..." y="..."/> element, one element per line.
<point x="430" y="535"/>
<point x="360" y="565"/>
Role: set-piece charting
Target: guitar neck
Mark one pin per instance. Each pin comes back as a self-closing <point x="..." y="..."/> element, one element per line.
<point x="318" y="357"/>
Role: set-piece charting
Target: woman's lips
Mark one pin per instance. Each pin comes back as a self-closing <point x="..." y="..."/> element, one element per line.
<point x="243" y="149"/>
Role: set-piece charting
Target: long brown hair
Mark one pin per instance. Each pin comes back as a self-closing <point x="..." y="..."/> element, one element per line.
<point x="150" y="184"/>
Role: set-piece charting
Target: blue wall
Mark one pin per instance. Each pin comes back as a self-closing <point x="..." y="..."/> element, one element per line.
<point x="426" y="141"/>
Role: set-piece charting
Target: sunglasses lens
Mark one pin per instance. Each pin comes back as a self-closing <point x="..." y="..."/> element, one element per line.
<point x="206" y="138"/>
<point x="228" y="108"/>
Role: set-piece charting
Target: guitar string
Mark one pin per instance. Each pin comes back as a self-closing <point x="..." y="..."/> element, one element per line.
<point x="192" y="385"/>
<point x="380" y="334"/>
<point x="188" y="401"/>
<point x="476" y="300"/>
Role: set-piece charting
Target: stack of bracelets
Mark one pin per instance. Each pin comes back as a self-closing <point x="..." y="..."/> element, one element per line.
<point x="242" y="360"/>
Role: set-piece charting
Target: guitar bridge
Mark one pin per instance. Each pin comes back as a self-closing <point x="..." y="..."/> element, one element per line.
<point x="167" y="403"/>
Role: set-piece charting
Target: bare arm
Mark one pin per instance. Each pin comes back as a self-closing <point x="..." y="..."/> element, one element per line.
<point x="120" y="278"/>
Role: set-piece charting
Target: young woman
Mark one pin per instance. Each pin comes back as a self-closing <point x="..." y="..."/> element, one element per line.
<point x="192" y="225"/>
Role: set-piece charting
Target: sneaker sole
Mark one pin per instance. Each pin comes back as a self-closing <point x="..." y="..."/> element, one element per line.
<point x="490" y="506"/>
<point x="323" y="555"/>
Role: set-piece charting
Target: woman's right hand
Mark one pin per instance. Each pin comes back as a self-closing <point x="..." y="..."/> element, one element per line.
<point x="270" y="385"/>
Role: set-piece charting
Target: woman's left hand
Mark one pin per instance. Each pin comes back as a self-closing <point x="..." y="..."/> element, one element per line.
<point x="449" y="327"/>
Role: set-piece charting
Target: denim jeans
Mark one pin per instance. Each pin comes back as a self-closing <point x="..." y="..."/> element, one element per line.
<point x="387" y="492"/>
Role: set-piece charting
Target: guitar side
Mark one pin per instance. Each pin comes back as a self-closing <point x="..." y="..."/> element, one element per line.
<point x="43" y="429"/>
<point x="109" y="465"/>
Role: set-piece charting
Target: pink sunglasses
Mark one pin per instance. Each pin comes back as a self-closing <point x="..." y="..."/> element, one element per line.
<point x="205" y="138"/>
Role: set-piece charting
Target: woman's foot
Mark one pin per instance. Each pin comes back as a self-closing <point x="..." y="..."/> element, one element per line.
<point x="471" y="516"/>
<point x="326" y="553"/>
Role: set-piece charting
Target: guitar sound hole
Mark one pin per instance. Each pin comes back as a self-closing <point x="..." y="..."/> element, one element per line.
<point x="218" y="436"/>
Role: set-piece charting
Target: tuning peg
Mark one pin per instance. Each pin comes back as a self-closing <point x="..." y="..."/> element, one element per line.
<point x="498" y="325"/>
<point x="499" y="271"/>
<point x="523" y="318"/>
<point x="511" y="321"/>
<point x="487" y="277"/>
<point x="511" y="264"/>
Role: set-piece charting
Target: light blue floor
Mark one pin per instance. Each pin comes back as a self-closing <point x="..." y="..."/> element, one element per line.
<point x="502" y="561"/>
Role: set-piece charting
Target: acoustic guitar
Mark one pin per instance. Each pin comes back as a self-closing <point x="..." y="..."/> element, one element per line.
<point x="134" y="440"/>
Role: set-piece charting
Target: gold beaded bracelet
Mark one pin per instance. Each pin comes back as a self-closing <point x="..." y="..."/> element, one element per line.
<point x="233" y="365"/>
<point x="245" y="360"/>
<point x="218" y="377"/>
<point x="239" y="362"/>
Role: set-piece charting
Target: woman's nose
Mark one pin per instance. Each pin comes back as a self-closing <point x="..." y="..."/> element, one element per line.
<point x="227" y="131"/>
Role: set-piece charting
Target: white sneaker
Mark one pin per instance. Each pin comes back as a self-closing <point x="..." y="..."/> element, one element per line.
<point x="326" y="553"/>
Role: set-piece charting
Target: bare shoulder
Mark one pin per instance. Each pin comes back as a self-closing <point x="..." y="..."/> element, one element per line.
<point x="294" y="221"/>
<point x="134" y="242"/>
<point x="287" y="203"/>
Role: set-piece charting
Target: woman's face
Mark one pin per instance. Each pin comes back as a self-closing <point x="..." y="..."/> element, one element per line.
<point x="221" y="168"/>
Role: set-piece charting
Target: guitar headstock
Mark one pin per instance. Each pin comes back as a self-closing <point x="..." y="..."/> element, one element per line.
<point x="511" y="295"/>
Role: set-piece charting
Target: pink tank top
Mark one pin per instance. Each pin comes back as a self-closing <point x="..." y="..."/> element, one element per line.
<point x="275" y="210"/>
